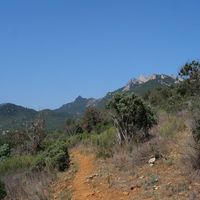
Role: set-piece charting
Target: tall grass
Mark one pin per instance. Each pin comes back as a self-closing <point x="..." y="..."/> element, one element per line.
<point x="171" y="126"/>
<point x="16" y="163"/>
<point x="103" y="142"/>
<point x="29" y="185"/>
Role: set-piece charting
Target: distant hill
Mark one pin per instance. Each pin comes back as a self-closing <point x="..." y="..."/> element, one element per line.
<point x="142" y="85"/>
<point x="77" y="107"/>
<point x="14" y="116"/>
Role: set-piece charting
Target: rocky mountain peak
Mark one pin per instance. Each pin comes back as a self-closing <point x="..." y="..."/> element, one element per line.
<point x="79" y="98"/>
<point x="162" y="78"/>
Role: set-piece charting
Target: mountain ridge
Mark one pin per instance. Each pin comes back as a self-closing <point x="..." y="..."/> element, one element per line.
<point x="12" y="115"/>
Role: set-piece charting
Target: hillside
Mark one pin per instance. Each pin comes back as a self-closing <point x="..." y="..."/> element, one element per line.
<point x="76" y="108"/>
<point x="14" y="116"/>
<point x="137" y="148"/>
<point x="144" y="84"/>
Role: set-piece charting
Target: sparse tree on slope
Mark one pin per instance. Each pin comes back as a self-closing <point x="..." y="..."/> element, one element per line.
<point x="131" y="116"/>
<point x="92" y="119"/>
<point x="191" y="73"/>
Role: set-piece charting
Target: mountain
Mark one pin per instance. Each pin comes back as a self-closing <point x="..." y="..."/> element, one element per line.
<point x="77" y="107"/>
<point x="14" y="116"/>
<point x="144" y="84"/>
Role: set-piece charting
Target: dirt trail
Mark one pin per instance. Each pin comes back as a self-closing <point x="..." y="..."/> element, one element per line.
<point x="84" y="189"/>
<point x="165" y="180"/>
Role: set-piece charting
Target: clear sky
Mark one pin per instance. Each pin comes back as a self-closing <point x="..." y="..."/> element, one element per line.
<point x="54" y="50"/>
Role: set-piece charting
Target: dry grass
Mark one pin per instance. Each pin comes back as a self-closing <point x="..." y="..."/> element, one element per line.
<point x="191" y="160"/>
<point x="136" y="155"/>
<point x="28" y="185"/>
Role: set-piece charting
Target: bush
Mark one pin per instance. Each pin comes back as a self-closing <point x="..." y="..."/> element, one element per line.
<point x="16" y="163"/>
<point x="196" y="129"/>
<point x="29" y="185"/>
<point x="104" y="143"/>
<point x="94" y="120"/>
<point x="72" y="127"/>
<point x="76" y="139"/>
<point x="193" y="156"/>
<point x="2" y="190"/>
<point x="4" y="152"/>
<point x="131" y="116"/>
<point x="171" y="126"/>
<point x="191" y="73"/>
<point x="54" y="157"/>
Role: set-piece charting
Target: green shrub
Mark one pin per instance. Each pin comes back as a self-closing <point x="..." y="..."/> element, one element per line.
<point x="74" y="140"/>
<point x="94" y="120"/>
<point x="16" y="163"/>
<point x="4" y="152"/>
<point x="54" y="157"/>
<point x="196" y="128"/>
<point x="131" y="116"/>
<point x="2" y="190"/>
<point x="104" y="143"/>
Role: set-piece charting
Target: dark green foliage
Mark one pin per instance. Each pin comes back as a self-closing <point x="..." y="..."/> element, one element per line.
<point x="54" y="157"/>
<point x="72" y="127"/>
<point x="4" y="152"/>
<point x="196" y="128"/>
<point x="13" y="116"/>
<point x="104" y="143"/>
<point x="131" y="116"/>
<point x="93" y="120"/>
<point x="158" y="96"/>
<point x="16" y="163"/>
<point x="14" y="138"/>
<point x="172" y="99"/>
<point x="191" y="73"/>
<point x="150" y="85"/>
<point x="181" y="95"/>
<point x="2" y="190"/>
<point x="26" y="140"/>
<point x="36" y="135"/>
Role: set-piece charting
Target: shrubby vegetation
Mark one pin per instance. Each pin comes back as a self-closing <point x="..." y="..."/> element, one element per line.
<point x="30" y="152"/>
<point x="172" y="126"/>
<point x="129" y="120"/>
<point x="2" y="190"/>
<point x="54" y="157"/>
<point x="73" y="127"/>
<point x="196" y="129"/>
<point x="4" y="152"/>
<point x="131" y="116"/>
<point x="16" y="163"/>
<point x="94" y="120"/>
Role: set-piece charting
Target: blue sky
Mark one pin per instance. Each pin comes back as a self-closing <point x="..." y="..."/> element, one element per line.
<point x="52" y="51"/>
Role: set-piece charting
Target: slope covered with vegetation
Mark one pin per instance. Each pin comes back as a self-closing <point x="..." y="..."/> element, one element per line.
<point x="146" y="147"/>
<point x="13" y="116"/>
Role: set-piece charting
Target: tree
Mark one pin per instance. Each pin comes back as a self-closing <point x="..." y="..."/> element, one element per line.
<point x="92" y="120"/>
<point x="72" y="127"/>
<point x="4" y="152"/>
<point x="131" y="116"/>
<point x="196" y="127"/>
<point x="36" y="134"/>
<point x="191" y="73"/>
<point x="2" y="190"/>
